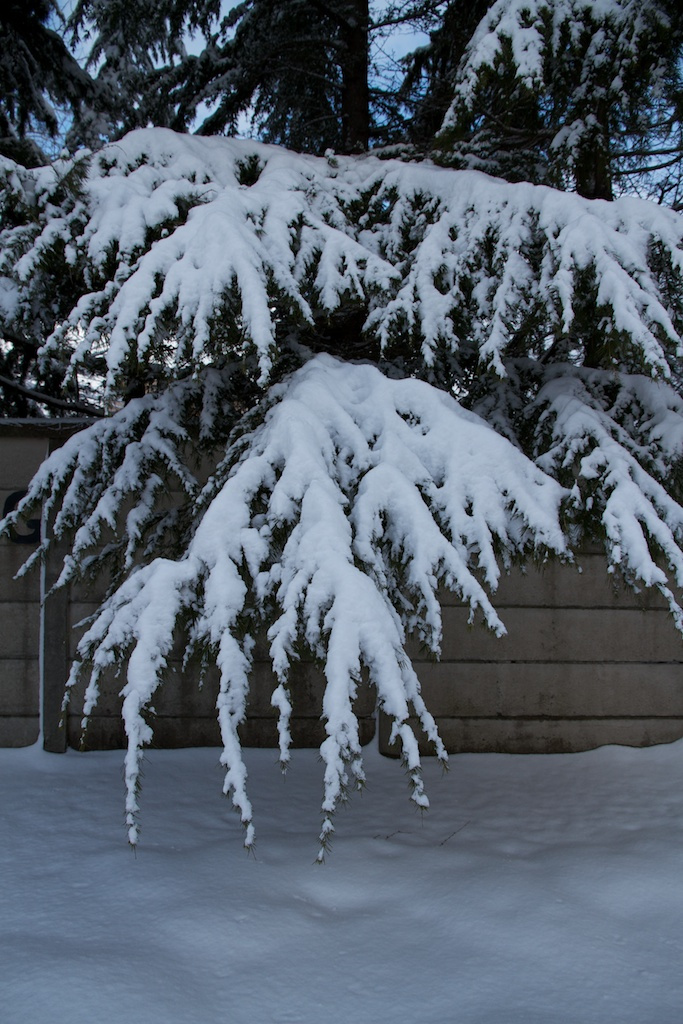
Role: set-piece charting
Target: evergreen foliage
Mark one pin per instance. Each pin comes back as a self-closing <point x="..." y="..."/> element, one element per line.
<point x="299" y="72"/>
<point x="570" y="93"/>
<point x="39" y="77"/>
<point x="297" y="69"/>
<point x="135" y="49"/>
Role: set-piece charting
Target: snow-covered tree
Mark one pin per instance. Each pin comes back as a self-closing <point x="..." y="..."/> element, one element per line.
<point x="43" y="92"/>
<point x="402" y="378"/>
<point x="572" y="93"/>
<point x="406" y="378"/>
<point x="30" y="386"/>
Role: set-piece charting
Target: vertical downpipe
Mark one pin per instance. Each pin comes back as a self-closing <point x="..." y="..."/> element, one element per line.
<point x="54" y="654"/>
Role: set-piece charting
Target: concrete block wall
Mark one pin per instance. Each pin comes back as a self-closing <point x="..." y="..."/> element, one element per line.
<point x="21" y="453"/>
<point x="586" y="662"/>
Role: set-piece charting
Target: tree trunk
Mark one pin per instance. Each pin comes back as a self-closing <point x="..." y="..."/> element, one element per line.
<point x="592" y="170"/>
<point x="355" y="105"/>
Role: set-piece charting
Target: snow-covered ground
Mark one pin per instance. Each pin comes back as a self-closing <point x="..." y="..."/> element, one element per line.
<point x="537" y="889"/>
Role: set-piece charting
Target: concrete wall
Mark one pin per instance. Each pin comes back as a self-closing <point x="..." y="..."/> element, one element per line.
<point x="585" y="662"/>
<point x="20" y="456"/>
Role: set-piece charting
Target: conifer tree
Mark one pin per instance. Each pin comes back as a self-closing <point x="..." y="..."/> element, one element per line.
<point x="298" y="69"/>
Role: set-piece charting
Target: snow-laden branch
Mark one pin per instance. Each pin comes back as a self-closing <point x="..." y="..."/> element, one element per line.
<point x="558" y="91"/>
<point x="108" y="488"/>
<point x="169" y="240"/>
<point x="332" y="521"/>
<point x="619" y="436"/>
<point x="539" y="32"/>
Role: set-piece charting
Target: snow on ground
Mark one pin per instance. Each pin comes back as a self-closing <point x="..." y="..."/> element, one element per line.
<point x="537" y="889"/>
